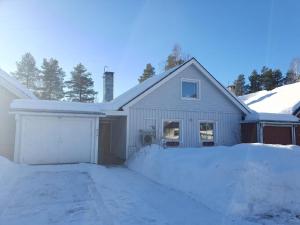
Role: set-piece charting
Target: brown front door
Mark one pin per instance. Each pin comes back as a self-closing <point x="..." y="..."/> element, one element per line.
<point x="104" y="149"/>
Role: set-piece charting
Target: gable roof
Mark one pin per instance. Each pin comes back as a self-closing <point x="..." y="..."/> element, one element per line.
<point x="136" y="93"/>
<point x="13" y="86"/>
<point x="284" y="99"/>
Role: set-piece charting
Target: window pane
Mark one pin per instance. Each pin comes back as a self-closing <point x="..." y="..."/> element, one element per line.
<point x="189" y="89"/>
<point x="171" y="130"/>
<point x="207" y="132"/>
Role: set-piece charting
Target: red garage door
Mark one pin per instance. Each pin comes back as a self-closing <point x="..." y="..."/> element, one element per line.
<point x="277" y="135"/>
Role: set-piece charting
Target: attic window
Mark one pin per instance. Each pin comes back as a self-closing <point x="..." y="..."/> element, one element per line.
<point x="190" y="89"/>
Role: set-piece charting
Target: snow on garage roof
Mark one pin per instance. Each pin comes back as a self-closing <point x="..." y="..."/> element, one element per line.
<point x="58" y="106"/>
<point x="271" y="117"/>
<point x="284" y="99"/>
<point x="12" y="85"/>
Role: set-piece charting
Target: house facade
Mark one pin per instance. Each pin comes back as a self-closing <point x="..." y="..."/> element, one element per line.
<point x="10" y="90"/>
<point x="275" y="116"/>
<point x="185" y="106"/>
<point x="192" y="104"/>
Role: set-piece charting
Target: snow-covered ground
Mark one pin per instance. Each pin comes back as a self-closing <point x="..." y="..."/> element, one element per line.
<point x="242" y="185"/>
<point x="88" y="194"/>
<point x="253" y="181"/>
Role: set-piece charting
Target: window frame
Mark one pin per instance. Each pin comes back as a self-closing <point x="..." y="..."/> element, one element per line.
<point x="215" y="129"/>
<point x="198" y="82"/>
<point x="180" y="141"/>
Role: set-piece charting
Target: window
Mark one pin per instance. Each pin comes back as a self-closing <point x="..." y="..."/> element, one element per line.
<point x="190" y="89"/>
<point x="207" y="133"/>
<point x="171" y="132"/>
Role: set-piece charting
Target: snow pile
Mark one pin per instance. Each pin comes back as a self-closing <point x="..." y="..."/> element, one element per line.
<point x="284" y="99"/>
<point x="6" y="168"/>
<point x="246" y="180"/>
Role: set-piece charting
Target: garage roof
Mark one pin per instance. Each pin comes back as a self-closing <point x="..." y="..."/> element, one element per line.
<point x="58" y="106"/>
<point x="271" y="117"/>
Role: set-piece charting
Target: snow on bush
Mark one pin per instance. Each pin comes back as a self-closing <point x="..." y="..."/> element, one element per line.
<point x="245" y="180"/>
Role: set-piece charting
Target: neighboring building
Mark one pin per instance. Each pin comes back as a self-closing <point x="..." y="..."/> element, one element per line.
<point x="275" y="120"/>
<point x="10" y="89"/>
<point x="271" y="128"/>
<point x="185" y="106"/>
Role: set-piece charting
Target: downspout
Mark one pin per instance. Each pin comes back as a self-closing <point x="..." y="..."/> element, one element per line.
<point x="294" y="134"/>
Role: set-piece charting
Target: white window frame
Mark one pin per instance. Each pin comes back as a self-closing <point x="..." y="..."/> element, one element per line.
<point x="215" y="131"/>
<point x="198" y="82"/>
<point x="180" y="130"/>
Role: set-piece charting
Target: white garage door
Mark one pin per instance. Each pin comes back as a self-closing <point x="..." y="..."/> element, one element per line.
<point x="52" y="139"/>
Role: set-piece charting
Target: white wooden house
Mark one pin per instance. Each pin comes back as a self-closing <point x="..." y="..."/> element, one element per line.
<point x="185" y="106"/>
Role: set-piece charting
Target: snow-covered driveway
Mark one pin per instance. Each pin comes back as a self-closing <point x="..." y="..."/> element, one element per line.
<point x="91" y="194"/>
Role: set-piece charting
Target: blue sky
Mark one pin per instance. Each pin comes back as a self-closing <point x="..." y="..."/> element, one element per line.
<point x="227" y="37"/>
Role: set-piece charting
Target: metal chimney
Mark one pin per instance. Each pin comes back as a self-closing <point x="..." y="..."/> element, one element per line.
<point x="108" y="86"/>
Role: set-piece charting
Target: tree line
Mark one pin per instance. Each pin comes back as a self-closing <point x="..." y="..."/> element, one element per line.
<point x="175" y="58"/>
<point x="48" y="81"/>
<point x="266" y="79"/>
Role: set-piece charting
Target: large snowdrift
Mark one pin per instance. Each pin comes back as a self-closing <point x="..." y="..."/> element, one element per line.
<point x="244" y="180"/>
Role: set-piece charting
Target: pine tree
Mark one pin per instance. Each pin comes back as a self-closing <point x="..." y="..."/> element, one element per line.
<point x="81" y="85"/>
<point x="255" y="83"/>
<point x="239" y="84"/>
<point x="27" y="72"/>
<point x="290" y="77"/>
<point x="267" y="78"/>
<point x="149" y="71"/>
<point x="52" y="77"/>
<point x="278" y="79"/>
<point x="271" y="78"/>
<point x="175" y="58"/>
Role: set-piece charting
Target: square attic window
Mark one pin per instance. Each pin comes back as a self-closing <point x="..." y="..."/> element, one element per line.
<point x="189" y="89"/>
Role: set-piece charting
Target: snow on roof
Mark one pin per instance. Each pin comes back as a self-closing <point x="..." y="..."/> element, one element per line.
<point x="11" y="84"/>
<point x="284" y="99"/>
<point x="132" y="93"/>
<point x="58" y="106"/>
<point x="272" y="117"/>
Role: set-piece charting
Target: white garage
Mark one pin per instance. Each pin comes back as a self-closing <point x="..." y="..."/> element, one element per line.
<point x="45" y="135"/>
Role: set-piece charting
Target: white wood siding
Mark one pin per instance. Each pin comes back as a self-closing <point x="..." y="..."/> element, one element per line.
<point x="165" y="102"/>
